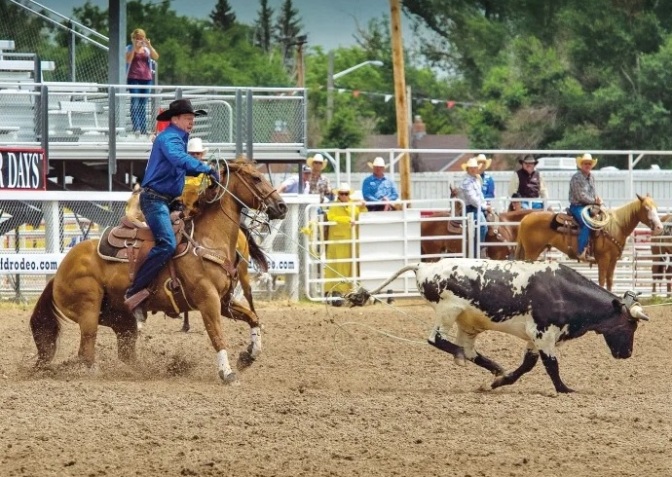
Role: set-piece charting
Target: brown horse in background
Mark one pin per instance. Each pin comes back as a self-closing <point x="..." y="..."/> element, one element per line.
<point x="661" y="254"/>
<point x="450" y="229"/>
<point x="89" y="290"/>
<point x="536" y="234"/>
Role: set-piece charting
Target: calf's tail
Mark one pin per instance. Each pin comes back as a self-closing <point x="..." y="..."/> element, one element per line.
<point x="45" y="326"/>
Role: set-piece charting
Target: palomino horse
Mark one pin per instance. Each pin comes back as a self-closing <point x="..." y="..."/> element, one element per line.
<point x="90" y="290"/>
<point x="661" y="254"/>
<point x="247" y="248"/>
<point x="536" y="233"/>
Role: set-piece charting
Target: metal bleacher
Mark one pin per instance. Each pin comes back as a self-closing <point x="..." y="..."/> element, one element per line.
<point x="85" y="128"/>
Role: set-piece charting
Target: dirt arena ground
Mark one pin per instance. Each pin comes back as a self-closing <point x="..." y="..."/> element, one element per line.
<point x="337" y="392"/>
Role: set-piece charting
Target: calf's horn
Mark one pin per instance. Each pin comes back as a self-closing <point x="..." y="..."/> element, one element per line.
<point x="637" y="313"/>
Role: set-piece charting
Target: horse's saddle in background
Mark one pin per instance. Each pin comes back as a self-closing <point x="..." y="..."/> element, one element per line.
<point x="454" y="227"/>
<point x="131" y="240"/>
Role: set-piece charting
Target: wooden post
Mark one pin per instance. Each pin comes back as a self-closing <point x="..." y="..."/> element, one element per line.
<point x="400" y="99"/>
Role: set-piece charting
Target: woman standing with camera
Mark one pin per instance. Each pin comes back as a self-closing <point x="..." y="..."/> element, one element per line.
<point x="139" y="55"/>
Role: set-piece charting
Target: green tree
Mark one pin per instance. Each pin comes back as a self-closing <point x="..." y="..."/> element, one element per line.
<point x="223" y="16"/>
<point x="263" y="27"/>
<point x="287" y="28"/>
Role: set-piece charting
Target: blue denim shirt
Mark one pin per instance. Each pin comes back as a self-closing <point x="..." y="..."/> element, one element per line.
<point x="169" y="163"/>
<point x="375" y="188"/>
<point x="488" y="186"/>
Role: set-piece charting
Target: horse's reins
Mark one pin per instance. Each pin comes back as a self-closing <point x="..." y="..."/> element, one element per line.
<point x="206" y="253"/>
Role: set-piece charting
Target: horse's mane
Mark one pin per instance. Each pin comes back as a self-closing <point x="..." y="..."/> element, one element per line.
<point x="622" y="217"/>
<point x="257" y="254"/>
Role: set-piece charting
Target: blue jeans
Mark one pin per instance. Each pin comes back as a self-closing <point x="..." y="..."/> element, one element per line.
<point x="530" y="204"/>
<point x="584" y="231"/>
<point x="157" y="215"/>
<point x="479" y="216"/>
<point x="139" y="105"/>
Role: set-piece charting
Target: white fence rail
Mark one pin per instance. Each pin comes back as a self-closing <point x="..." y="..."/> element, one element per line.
<point x="31" y="228"/>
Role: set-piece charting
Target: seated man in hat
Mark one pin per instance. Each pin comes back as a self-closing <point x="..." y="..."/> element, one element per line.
<point x="581" y="195"/>
<point x="168" y="165"/>
<point x="291" y="185"/>
<point x="528" y="184"/>
<point x="378" y="188"/>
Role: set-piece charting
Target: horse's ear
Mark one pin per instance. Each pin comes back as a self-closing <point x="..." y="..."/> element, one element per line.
<point x="641" y="199"/>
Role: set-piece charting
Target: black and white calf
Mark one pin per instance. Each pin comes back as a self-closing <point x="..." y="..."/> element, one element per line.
<point x="541" y="303"/>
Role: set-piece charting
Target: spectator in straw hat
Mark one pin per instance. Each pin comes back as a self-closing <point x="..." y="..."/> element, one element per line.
<point x="344" y="212"/>
<point x="163" y="182"/>
<point x="528" y="183"/>
<point x="487" y="182"/>
<point x="319" y="184"/>
<point x="291" y="185"/>
<point x="582" y="194"/>
<point x="378" y="188"/>
<point x="471" y="193"/>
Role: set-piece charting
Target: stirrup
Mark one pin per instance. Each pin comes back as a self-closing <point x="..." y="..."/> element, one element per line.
<point x="133" y="302"/>
<point x="584" y="257"/>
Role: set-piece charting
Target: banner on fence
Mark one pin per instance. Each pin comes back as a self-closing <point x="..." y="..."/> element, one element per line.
<point x="47" y="263"/>
<point x="22" y="169"/>
<point x="30" y="263"/>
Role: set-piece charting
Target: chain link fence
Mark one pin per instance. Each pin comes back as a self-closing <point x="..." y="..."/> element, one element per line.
<point x="74" y="52"/>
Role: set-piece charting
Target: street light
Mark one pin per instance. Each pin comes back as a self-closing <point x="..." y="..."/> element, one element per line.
<point x="331" y="77"/>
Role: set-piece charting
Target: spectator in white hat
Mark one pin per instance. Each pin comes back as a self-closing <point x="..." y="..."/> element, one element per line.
<point x="318" y="183"/>
<point x="487" y="181"/>
<point x="471" y="193"/>
<point x="378" y="188"/>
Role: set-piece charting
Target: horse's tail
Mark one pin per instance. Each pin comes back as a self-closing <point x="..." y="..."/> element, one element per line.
<point x="45" y="326"/>
<point x="257" y="255"/>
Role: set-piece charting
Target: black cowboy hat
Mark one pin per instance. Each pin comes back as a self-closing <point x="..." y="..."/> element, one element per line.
<point x="529" y="160"/>
<point x="177" y="107"/>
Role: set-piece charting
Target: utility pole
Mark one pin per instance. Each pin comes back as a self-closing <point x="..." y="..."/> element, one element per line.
<point x="400" y="99"/>
<point x="300" y="64"/>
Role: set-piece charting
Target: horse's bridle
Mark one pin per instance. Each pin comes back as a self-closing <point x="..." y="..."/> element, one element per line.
<point x="260" y="198"/>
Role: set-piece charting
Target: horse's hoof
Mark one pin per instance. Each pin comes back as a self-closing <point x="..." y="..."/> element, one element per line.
<point x="245" y="360"/>
<point x="230" y="378"/>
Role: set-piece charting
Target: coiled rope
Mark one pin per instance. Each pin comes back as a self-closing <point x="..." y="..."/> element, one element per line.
<point x="599" y="221"/>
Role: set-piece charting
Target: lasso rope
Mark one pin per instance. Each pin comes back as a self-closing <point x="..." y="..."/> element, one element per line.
<point x="595" y="223"/>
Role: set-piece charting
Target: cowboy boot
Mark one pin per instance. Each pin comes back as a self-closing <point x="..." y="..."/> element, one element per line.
<point x="585" y="257"/>
<point x="133" y="304"/>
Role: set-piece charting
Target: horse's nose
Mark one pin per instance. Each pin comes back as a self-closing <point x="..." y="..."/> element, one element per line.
<point x="279" y="210"/>
<point x="657" y="229"/>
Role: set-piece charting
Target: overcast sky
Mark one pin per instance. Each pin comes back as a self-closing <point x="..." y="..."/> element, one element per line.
<point x="328" y="23"/>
